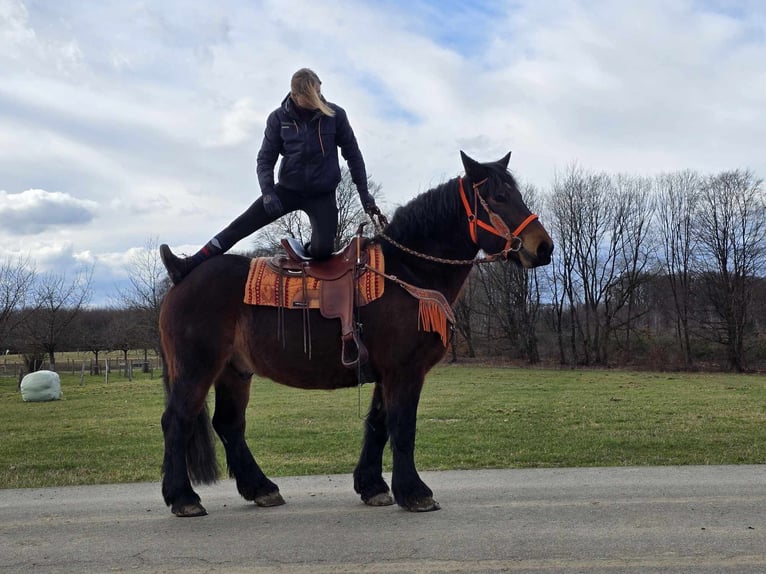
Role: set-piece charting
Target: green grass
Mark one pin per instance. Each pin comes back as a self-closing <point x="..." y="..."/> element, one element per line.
<point x="469" y="417"/>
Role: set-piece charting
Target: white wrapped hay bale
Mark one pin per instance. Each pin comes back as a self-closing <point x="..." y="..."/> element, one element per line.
<point x="41" y="386"/>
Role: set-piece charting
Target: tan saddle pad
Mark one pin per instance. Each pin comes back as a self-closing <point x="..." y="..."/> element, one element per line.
<point x="264" y="286"/>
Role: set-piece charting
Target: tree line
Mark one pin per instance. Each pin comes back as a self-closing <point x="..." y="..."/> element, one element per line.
<point x="662" y="272"/>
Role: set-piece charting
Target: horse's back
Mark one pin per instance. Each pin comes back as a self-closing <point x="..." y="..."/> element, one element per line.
<point x="207" y="303"/>
<point x="217" y="280"/>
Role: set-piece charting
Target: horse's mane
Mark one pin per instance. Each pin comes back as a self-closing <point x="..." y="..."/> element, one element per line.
<point x="431" y="210"/>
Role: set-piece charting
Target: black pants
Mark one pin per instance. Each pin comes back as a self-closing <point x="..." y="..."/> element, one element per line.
<point x="321" y="209"/>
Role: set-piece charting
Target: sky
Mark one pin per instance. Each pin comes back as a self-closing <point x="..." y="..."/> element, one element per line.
<point x="124" y="122"/>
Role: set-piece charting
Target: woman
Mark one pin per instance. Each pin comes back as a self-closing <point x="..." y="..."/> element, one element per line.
<point x="306" y="130"/>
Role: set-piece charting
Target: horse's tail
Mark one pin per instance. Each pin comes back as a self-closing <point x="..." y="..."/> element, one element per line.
<point x="201" y="461"/>
<point x="165" y="377"/>
<point x="200" y="452"/>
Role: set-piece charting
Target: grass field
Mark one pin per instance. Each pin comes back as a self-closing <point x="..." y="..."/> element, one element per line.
<point x="469" y="417"/>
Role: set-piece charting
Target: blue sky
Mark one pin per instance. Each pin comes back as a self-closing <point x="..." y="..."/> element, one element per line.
<point x="122" y="120"/>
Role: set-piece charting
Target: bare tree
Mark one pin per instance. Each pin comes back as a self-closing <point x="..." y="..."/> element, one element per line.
<point x="148" y="284"/>
<point x="602" y="226"/>
<point x="631" y="253"/>
<point x="17" y="277"/>
<point x="731" y="231"/>
<point x="92" y="330"/>
<point x="676" y="198"/>
<point x="57" y="301"/>
<point x="510" y="300"/>
<point x="581" y="213"/>
<point x="466" y="313"/>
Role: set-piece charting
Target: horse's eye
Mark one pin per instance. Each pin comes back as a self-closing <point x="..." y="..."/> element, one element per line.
<point x="500" y="198"/>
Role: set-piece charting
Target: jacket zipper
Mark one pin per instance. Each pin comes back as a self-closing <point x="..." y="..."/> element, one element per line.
<point x="319" y="133"/>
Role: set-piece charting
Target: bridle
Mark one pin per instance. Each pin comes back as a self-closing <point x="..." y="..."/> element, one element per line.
<point x="496" y="225"/>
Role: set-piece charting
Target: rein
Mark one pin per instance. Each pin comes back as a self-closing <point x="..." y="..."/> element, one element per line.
<point x="496" y="226"/>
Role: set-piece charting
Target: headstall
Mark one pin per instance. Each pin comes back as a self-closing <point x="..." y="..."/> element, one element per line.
<point x="496" y="225"/>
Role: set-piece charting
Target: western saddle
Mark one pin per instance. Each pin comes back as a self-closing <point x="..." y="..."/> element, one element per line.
<point x="337" y="289"/>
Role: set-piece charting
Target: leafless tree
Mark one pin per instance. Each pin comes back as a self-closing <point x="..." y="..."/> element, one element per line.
<point x="466" y="316"/>
<point x="630" y="255"/>
<point x="676" y="196"/>
<point x="17" y="277"/>
<point x="511" y="301"/>
<point x="148" y="283"/>
<point x="731" y="231"/>
<point x="93" y="331"/>
<point x="601" y="225"/>
<point x="56" y="302"/>
<point x="581" y="212"/>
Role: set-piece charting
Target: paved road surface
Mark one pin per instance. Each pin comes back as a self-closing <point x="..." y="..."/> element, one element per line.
<point x="627" y="520"/>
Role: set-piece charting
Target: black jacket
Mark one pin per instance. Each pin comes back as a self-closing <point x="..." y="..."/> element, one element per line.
<point x="309" y="150"/>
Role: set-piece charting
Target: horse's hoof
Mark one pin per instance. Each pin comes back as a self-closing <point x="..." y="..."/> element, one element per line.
<point x="424" y="505"/>
<point x="189" y="510"/>
<point x="270" y="499"/>
<point x="380" y="499"/>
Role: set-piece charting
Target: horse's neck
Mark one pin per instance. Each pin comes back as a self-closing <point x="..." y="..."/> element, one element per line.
<point x="423" y="272"/>
<point x="434" y="225"/>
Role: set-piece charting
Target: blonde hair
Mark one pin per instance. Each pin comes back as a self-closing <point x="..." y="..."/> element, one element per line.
<point x="306" y="83"/>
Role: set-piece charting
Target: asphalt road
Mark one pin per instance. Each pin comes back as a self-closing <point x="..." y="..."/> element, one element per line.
<point x="631" y="520"/>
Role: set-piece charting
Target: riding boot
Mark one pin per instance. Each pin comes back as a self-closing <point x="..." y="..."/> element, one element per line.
<point x="180" y="267"/>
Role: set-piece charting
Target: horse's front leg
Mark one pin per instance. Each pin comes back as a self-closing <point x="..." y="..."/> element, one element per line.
<point x="402" y="399"/>
<point x="368" y="475"/>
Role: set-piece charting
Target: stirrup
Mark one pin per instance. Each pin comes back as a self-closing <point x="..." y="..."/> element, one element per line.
<point x="353" y="351"/>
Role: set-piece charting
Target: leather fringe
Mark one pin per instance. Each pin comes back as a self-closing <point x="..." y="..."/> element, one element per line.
<point x="431" y="318"/>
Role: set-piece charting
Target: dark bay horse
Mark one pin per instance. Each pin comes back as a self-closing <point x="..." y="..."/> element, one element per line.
<point x="210" y="338"/>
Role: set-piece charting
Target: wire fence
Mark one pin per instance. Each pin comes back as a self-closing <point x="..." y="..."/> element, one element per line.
<point x="14" y="367"/>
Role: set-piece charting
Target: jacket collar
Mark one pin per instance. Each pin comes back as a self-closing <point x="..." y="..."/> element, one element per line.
<point x="291" y="109"/>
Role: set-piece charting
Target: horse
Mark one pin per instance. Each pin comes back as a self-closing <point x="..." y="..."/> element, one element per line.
<point x="210" y="338"/>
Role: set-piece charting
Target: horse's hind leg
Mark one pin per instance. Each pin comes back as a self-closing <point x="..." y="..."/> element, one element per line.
<point x="188" y="450"/>
<point x="368" y="475"/>
<point x="232" y="393"/>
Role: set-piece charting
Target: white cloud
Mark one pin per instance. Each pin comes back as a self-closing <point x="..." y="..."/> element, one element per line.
<point x="240" y="123"/>
<point x="15" y="35"/>
<point x="35" y="210"/>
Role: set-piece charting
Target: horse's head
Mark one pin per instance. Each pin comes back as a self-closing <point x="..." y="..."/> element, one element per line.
<point x="499" y="220"/>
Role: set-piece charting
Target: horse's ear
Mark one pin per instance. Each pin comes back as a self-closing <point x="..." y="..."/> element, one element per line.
<point x="506" y="159"/>
<point x="470" y="165"/>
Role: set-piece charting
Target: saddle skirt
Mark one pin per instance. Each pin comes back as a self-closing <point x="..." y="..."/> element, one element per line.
<point x="272" y="284"/>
